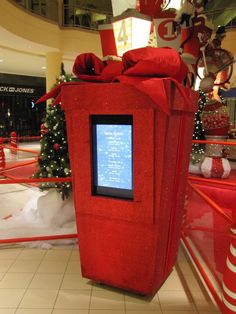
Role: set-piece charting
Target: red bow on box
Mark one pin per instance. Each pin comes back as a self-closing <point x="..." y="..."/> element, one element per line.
<point x="144" y="68"/>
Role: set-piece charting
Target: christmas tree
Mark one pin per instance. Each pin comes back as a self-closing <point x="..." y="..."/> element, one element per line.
<point x="198" y="150"/>
<point x="53" y="161"/>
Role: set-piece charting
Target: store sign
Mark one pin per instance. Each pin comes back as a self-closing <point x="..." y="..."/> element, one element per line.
<point x="17" y="90"/>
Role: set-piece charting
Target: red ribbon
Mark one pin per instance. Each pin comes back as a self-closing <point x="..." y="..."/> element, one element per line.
<point x="144" y="68"/>
<point x="217" y="169"/>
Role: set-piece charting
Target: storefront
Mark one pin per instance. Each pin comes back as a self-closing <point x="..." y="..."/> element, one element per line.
<point x="18" y="111"/>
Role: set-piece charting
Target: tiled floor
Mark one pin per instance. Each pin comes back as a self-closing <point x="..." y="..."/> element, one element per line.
<point x="36" y="281"/>
<point x="49" y="281"/>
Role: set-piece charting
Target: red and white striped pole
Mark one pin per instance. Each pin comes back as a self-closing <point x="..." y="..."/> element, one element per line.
<point x="13" y="144"/>
<point x="229" y="278"/>
<point x="2" y="154"/>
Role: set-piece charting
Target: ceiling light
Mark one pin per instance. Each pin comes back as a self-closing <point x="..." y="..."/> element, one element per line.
<point x="1" y="60"/>
<point x="43" y="68"/>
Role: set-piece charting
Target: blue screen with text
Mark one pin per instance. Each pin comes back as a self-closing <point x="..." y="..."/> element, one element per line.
<point x="114" y="155"/>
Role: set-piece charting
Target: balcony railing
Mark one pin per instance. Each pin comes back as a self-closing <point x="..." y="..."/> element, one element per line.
<point x="77" y="16"/>
<point x="44" y="8"/>
<point x="67" y="15"/>
<point x="72" y="14"/>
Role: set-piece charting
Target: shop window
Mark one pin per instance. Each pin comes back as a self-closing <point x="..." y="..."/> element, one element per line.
<point x="20" y="114"/>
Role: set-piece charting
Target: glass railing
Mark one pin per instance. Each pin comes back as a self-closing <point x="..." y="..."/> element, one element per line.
<point x="44" y="8"/>
<point x="74" y="16"/>
<point x="67" y="15"/>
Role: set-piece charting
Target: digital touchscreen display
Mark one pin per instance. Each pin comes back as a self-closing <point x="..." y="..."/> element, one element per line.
<point x="112" y="155"/>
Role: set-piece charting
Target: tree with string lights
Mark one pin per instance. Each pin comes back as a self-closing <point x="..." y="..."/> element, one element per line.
<point x="198" y="150"/>
<point x="53" y="161"/>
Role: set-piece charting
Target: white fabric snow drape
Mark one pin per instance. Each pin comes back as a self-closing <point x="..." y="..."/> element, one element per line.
<point x="44" y="214"/>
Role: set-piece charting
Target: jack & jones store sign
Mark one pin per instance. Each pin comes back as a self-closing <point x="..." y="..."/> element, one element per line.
<point x="20" y="90"/>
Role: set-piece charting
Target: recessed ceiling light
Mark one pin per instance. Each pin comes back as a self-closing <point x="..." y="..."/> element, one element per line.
<point x="43" y="68"/>
<point x="1" y="60"/>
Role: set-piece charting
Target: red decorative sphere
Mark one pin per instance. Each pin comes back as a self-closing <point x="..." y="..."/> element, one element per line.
<point x="43" y="129"/>
<point x="56" y="146"/>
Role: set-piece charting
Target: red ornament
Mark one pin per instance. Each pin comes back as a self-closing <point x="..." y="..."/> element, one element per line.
<point x="56" y="146"/>
<point x="43" y="129"/>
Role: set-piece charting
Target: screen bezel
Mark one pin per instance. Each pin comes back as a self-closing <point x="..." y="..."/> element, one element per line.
<point x="101" y="190"/>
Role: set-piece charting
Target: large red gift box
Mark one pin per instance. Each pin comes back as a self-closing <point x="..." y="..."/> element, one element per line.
<point x="131" y="243"/>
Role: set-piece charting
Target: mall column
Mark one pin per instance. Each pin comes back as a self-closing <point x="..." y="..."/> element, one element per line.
<point x="53" y="68"/>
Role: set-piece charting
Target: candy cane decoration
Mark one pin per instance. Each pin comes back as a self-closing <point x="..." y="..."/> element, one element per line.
<point x="2" y="154"/>
<point x="229" y="279"/>
<point x="13" y="144"/>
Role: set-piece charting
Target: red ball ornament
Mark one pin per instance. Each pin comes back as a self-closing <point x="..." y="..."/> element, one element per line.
<point x="56" y="146"/>
<point x="43" y="129"/>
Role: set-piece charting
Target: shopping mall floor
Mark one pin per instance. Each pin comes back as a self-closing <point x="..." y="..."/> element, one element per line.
<point x="36" y="280"/>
